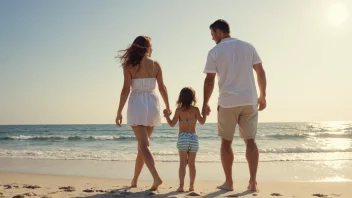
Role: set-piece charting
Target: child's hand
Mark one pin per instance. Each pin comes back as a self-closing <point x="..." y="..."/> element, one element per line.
<point x="204" y="114"/>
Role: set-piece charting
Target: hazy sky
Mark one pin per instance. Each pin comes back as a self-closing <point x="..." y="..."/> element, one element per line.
<point x="57" y="61"/>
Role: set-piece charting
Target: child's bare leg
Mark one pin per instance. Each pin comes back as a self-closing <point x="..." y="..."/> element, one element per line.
<point x="192" y="169"/>
<point x="182" y="169"/>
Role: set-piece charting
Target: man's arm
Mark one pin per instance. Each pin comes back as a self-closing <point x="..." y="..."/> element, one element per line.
<point x="208" y="90"/>
<point x="262" y="85"/>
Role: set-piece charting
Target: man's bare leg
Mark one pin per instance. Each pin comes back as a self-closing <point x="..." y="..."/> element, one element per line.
<point x="252" y="155"/>
<point x="227" y="162"/>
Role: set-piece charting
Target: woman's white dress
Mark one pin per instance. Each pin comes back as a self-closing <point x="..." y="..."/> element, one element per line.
<point x="143" y="104"/>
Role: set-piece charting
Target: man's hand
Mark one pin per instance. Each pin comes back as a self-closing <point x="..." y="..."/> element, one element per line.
<point x="206" y="110"/>
<point x="261" y="103"/>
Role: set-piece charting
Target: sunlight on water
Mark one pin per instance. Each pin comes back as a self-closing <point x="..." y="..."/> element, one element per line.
<point x="335" y="179"/>
<point x="338" y="143"/>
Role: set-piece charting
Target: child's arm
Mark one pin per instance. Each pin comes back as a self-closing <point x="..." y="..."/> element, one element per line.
<point x="172" y="122"/>
<point x="201" y="119"/>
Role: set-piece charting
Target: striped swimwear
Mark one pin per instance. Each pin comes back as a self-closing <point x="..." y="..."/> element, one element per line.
<point x="188" y="142"/>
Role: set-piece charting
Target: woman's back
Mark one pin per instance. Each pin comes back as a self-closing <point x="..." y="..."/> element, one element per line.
<point x="144" y="76"/>
<point x="147" y="68"/>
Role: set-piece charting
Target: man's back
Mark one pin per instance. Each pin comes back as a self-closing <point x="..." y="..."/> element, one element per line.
<point x="233" y="61"/>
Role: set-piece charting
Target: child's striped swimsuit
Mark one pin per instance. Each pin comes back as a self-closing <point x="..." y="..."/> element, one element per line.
<point x="188" y="142"/>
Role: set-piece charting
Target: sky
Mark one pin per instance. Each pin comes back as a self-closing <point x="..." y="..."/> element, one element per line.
<point x="57" y="62"/>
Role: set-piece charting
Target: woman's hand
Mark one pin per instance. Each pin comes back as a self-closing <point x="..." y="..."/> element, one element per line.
<point x="118" y="119"/>
<point x="167" y="112"/>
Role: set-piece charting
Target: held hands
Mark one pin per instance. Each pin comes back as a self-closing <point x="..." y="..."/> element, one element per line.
<point x="167" y="113"/>
<point x="206" y="110"/>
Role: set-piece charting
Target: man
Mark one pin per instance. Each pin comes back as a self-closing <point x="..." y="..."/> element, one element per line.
<point x="232" y="60"/>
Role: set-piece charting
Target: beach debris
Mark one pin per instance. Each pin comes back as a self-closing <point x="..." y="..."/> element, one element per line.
<point x="45" y="196"/>
<point x="255" y="194"/>
<point x="88" y="190"/>
<point x="100" y="191"/>
<point x="29" y="194"/>
<point x="68" y="188"/>
<point x="151" y="194"/>
<point x="31" y="186"/>
<point x="276" y="194"/>
<point x="319" y="195"/>
<point x="193" y="194"/>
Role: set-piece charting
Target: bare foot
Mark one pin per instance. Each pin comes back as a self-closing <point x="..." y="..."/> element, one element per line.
<point x="156" y="184"/>
<point x="253" y="186"/>
<point x="226" y="186"/>
<point x="134" y="183"/>
<point x="191" y="188"/>
<point x="180" y="189"/>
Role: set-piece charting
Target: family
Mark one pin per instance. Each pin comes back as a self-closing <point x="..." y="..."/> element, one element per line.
<point x="233" y="61"/>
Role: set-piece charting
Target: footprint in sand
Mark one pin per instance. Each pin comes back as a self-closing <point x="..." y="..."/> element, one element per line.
<point x="68" y="188"/>
<point x="31" y="186"/>
<point x="319" y="195"/>
<point x="100" y="191"/>
<point x="276" y="194"/>
<point x="9" y="186"/>
<point x="18" y="196"/>
<point x="88" y="190"/>
<point x="30" y="194"/>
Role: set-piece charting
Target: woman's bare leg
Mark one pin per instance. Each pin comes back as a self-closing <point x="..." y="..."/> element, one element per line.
<point x="140" y="161"/>
<point x="142" y="137"/>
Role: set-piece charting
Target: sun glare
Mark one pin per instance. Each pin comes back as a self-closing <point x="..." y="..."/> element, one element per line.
<point x="338" y="14"/>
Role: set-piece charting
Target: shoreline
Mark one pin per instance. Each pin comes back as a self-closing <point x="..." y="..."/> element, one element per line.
<point x="105" y="187"/>
<point x="326" y="171"/>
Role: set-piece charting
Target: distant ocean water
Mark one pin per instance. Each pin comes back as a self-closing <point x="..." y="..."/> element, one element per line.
<point x="324" y="141"/>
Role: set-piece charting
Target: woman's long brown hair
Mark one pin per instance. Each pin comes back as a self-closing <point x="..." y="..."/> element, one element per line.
<point x="133" y="55"/>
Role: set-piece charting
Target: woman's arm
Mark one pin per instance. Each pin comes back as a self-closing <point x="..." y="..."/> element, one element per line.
<point x="162" y="87"/>
<point x="125" y="92"/>
<point x="174" y="120"/>
<point x="201" y="119"/>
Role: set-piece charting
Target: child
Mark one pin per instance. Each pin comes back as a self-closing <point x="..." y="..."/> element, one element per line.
<point x="187" y="115"/>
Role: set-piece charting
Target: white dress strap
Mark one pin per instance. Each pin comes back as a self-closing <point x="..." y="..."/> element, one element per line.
<point x="153" y="67"/>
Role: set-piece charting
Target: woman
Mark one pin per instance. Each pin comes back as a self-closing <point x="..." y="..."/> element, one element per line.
<point x="142" y="73"/>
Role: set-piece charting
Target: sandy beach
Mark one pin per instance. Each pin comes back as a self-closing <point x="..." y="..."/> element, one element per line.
<point x="40" y="185"/>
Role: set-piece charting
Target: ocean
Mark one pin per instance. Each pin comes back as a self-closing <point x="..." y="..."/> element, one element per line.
<point x="316" y="141"/>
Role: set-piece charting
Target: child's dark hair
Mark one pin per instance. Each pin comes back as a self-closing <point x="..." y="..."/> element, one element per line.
<point x="186" y="98"/>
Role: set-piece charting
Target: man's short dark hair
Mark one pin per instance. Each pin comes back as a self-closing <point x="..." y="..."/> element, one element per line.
<point x="221" y="25"/>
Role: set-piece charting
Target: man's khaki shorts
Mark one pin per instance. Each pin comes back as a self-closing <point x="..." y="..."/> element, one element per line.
<point x="245" y="116"/>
